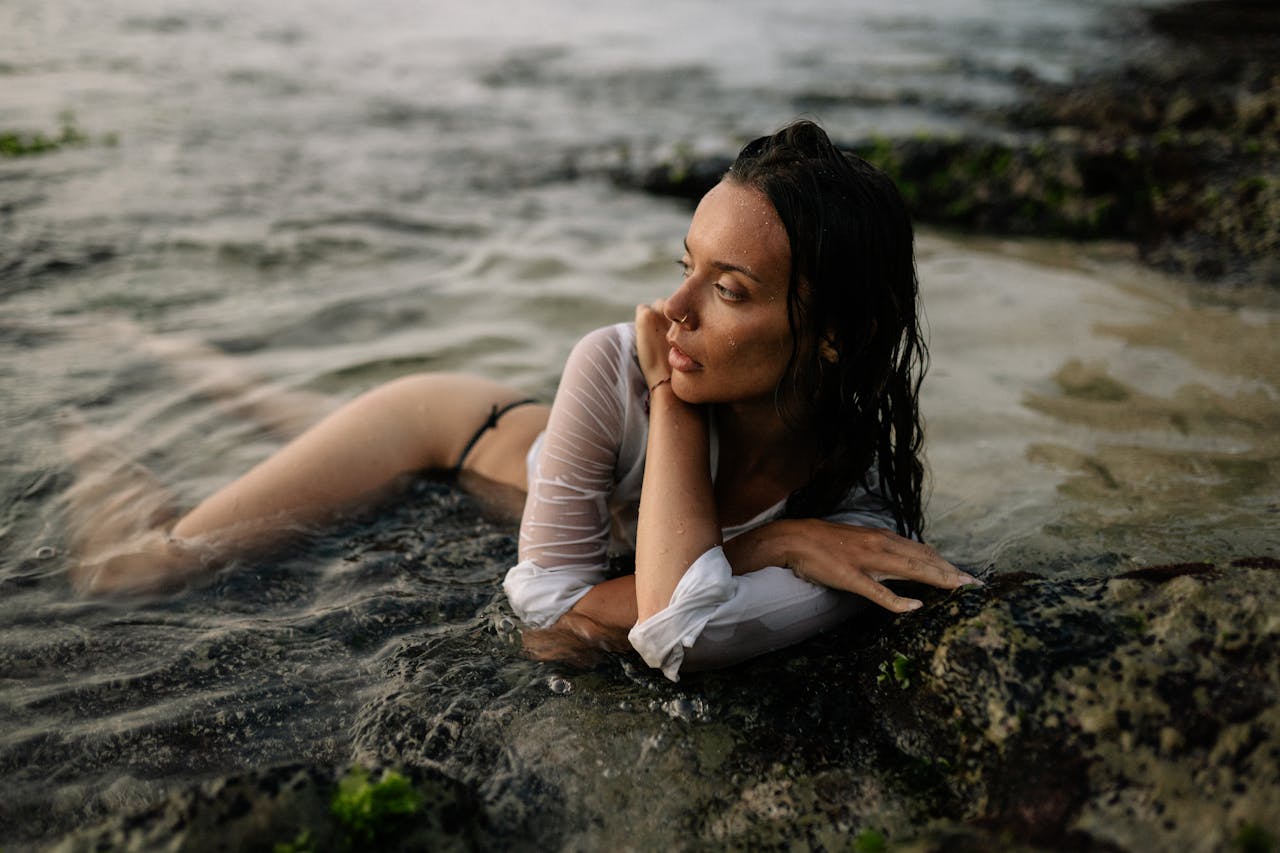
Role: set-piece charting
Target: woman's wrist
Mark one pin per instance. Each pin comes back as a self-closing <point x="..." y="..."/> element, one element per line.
<point x="666" y="380"/>
<point x="772" y="544"/>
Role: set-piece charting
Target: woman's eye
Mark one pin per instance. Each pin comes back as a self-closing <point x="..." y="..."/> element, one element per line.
<point x="684" y="267"/>
<point x="728" y="293"/>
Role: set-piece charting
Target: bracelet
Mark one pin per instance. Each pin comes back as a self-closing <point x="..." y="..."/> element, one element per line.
<point x="656" y="385"/>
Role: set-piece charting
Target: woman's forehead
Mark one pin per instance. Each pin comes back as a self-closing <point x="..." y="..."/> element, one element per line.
<point x="737" y="225"/>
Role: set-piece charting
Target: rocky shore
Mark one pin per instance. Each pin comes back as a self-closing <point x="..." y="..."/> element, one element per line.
<point x="1138" y="712"/>
<point x="1178" y="151"/>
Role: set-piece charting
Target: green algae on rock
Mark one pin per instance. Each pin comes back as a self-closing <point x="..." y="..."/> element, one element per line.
<point x="19" y="144"/>
<point x="289" y="808"/>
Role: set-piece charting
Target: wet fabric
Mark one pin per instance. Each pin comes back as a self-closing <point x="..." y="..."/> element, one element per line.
<point x="585" y="473"/>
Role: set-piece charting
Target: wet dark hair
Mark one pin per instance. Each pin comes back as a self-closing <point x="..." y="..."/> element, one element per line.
<point x="853" y="290"/>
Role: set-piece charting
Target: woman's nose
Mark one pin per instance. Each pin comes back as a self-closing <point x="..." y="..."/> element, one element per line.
<point x="679" y="306"/>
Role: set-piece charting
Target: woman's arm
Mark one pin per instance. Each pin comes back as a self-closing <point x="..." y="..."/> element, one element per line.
<point x="837" y="556"/>
<point x="572" y="608"/>
<point x="564" y="532"/>
<point x="678" y="522"/>
<point x="677" y="516"/>
<point x="845" y="557"/>
<point x="598" y="621"/>
<point x="559" y="586"/>
<point x="755" y="601"/>
<point x="740" y="601"/>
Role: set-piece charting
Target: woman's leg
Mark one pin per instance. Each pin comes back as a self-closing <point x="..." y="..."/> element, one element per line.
<point x="352" y="457"/>
<point x="209" y="372"/>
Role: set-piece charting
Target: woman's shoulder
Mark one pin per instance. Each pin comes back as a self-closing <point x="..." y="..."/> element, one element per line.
<point x="604" y="362"/>
<point x="613" y="339"/>
<point x="608" y="350"/>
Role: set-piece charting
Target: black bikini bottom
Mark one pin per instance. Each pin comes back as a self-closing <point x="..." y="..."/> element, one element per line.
<point x="490" y="423"/>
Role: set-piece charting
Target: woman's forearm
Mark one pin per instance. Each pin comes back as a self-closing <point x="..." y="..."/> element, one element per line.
<point x="604" y="615"/>
<point x="677" y="506"/>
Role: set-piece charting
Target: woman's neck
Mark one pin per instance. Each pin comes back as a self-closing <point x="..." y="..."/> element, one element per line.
<point x="761" y="459"/>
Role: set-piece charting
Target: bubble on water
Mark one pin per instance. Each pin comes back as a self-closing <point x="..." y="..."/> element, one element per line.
<point x="679" y="709"/>
<point x="46" y="552"/>
<point x="686" y="710"/>
<point x="559" y="684"/>
<point x="505" y="628"/>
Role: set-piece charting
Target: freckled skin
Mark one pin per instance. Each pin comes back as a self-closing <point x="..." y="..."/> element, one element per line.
<point x="734" y="322"/>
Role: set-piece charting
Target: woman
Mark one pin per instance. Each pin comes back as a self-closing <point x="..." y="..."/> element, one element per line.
<point x="753" y="437"/>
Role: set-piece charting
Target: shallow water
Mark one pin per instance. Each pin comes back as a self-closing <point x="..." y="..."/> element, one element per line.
<point x="339" y="196"/>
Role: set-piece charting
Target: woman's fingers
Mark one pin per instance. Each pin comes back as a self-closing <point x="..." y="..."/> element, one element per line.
<point x="873" y="555"/>
<point x="653" y="314"/>
<point x="932" y="570"/>
<point x="651" y="341"/>
<point x="882" y="595"/>
<point x="906" y="559"/>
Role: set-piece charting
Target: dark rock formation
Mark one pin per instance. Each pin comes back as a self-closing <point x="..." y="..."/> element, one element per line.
<point x="1133" y="713"/>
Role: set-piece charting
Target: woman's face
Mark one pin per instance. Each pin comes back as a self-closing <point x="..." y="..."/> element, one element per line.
<point x="730" y="340"/>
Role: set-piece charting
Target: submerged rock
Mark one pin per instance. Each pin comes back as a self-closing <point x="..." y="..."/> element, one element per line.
<point x="1132" y="713"/>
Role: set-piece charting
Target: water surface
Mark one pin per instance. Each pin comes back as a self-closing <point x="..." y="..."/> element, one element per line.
<point x="336" y="194"/>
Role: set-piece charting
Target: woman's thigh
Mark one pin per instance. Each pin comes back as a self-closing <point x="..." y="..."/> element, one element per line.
<point x="353" y="455"/>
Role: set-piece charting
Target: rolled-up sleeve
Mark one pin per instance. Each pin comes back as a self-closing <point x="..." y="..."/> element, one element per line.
<point x="707" y="586"/>
<point x="540" y="596"/>
<point x="717" y="619"/>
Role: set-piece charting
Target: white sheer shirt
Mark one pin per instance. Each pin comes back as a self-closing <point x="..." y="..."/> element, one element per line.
<point x="585" y="473"/>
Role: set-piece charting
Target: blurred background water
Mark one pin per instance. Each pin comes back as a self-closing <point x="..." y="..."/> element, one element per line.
<point x="339" y="193"/>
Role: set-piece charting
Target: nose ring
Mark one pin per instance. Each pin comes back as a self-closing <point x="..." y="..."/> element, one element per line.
<point x="679" y="321"/>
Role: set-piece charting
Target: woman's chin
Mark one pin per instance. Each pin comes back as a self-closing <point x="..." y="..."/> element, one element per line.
<point x="686" y="392"/>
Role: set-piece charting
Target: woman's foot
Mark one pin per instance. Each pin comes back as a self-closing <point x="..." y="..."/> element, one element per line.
<point x="213" y="374"/>
<point x="151" y="563"/>
<point x="117" y="514"/>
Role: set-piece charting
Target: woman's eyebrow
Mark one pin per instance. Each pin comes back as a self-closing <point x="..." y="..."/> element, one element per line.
<point x="728" y="267"/>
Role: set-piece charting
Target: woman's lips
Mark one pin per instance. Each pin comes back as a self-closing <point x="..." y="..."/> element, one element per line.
<point x="681" y="360"/>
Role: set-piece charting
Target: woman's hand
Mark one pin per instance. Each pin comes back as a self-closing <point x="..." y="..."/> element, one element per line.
<point x="845" y="557"/>
<point x="597" y="623"/>
<point x="651" y="341"/>
<point x="571" y="640"/>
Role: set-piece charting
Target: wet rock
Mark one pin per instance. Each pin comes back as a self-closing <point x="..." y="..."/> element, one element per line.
<point x="1130" y="713"/>
<point x="1178" y="152"/>
<point x="288" y="808"/>
<point x="1138" y="712"/>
